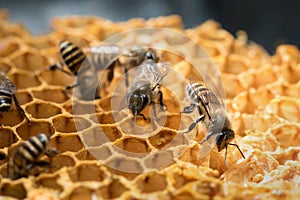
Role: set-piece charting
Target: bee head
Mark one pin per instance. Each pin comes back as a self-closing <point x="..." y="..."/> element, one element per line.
<point x="137" y="102"/>
<point x="224" y="138"/>
<point x="151" y="55"/>
<point x="140" y="55"/>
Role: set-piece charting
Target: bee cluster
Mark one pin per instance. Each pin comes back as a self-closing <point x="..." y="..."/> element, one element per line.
<point x="50" y="142"/>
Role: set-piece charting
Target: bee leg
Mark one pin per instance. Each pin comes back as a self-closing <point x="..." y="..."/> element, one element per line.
<point x="72" y="86"/>
<point x="199" y="110"/>
<point x="42" y="163"/>
<point x="126" y="76"/>
<point x="143" y="116"/>
<point x="134" y="118"/>
<point x="193" y="124"/>
<point x="30" y="166"/>
<point x="111" y="72"/>
<point x="20" y="108"/>
<point x="237" y="146"/>
<point x="161" y="103"/>
<point x="40" y="167"/>
<point x="51" y="152"/>
<point x="59" y="66"/>
<point x="56" y="66"/>
<point x="188" y="109"/>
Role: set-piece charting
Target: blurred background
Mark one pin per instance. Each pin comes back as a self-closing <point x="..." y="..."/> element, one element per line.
<point x="267" y="22"/>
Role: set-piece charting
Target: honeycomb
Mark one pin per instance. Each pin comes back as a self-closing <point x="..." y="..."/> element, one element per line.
<point x="263" y="104"/>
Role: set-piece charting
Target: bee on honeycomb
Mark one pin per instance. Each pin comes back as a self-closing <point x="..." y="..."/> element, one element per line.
<point x="262" y="105"/>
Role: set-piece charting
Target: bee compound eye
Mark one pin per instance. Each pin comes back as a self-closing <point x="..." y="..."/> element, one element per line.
<point x="144" y="99"/>
<point x="150" y="55"/>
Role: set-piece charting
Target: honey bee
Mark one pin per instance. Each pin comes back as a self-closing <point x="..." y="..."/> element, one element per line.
<point x="86" y="67"/>
<point x="145" y="87"/>
<point x="7" y="94"/>
<point x="75" y="59"/>
<point x="113" y="56"/>
<point x="105" y="55"/>
<point x="27" y="155"/>
<point x="212" y="114"/>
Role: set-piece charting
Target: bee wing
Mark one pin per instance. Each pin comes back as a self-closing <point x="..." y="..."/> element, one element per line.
<point x="207" y="145"/>
<point x="219" y="92"/>
<point x="104" y="48"/>
<point x="153" y="72"/>
<point x="209" y="99"/>
<point x="6" y="85"/>
<point x="103" y="55"/>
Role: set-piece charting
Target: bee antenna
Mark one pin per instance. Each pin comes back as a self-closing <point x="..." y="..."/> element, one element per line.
<point x="237" y="146"/>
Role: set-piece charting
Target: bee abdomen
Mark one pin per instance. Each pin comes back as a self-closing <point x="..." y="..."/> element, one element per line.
<point x="31" y="150"/>
<point x="72" y="55"/>
<point x="5" y="102"/>
<point x="100" y="61"/>
<point x="39" y="142"/>
<point x="193" y="91"/>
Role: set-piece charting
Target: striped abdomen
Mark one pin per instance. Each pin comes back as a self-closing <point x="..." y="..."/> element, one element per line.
<point x="5" y="102"/>
<point x="72" y="56"/>
<point x="194" y="91"/>
<point x="27" y="155"/>
<point x="197" y="93"/>
<point x="104" y="56"/>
